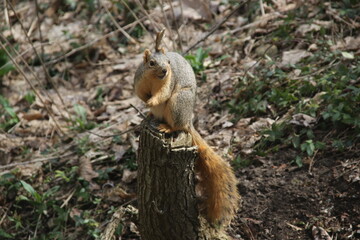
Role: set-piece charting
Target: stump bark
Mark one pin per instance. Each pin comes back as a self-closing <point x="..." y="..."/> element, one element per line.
<point x="168" y="205"/>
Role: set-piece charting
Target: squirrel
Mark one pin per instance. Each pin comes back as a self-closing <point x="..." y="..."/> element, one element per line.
<point x="166" y="83"/>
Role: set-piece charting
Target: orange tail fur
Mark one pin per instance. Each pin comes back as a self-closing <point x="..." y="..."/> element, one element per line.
<point x="218" y="183"/>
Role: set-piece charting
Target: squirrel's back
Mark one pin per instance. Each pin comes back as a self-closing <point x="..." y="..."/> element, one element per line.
<point x="182" y="71"/>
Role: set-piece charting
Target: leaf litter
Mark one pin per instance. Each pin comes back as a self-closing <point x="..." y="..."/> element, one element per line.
<point x="280" y="201"/>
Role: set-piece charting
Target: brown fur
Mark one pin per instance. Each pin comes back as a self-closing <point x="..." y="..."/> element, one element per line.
<point x="217" y="181"/>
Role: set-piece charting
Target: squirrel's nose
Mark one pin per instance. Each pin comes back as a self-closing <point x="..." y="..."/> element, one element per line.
<point x="164" y="71"/>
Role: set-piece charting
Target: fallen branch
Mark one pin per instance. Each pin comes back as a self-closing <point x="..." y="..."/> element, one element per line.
<point x="36" y="160"/>
<point x="219" y="24"/>
<point x="75" y="50"/>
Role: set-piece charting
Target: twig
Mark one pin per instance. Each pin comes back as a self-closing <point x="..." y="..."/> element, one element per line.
<point x="6" y="14"/>
<point x="31" y="70"/>
<point x="167" y="22"/>
<point x="320" y="70"/>
<point x="32" y="27"/>
<point x="19" y="55"/>
<point x="248" y="69"/>
<point x="35" y="161"/>
<point x="249" y="231"/>
<point x="131" y="39"/>
<point x="39" y="27"/>
<point x="176" y="25"/>
<point x="7" y="17"/>
<point x="142" y="114"/>
<point x="262" y="7"/>
<point x="68" y="198"/>
<point x="114" y="135"/>
<point x="183" y="21"/>
<point x="37" y="226"/>
<point x="268" y="17"/>
<point x="214" y="28"/>
<point x="75" y="50"/>
<point x="294" y="227"/>
<point x="181" y="11"/>
<point x="335" y="15"/>
<point x="136" y="17"/>
<point x="148" y="15"/>
<point x="32" y="86"/>
<point x="5" y="214"/>
<point x="47" y="75"/>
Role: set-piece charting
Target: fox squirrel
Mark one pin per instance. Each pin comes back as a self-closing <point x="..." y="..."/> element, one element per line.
<point x="167" y="84"/>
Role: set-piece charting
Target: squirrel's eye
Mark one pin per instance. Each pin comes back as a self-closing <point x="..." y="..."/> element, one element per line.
<point x="151" y="63"/>
<point x="169" y="62"/>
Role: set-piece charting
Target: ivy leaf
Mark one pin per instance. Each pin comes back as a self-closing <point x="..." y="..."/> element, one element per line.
<point x="298" y="161"/>
<point x="347" y="55"/>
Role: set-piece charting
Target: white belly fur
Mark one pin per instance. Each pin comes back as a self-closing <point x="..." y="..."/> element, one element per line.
<point x="158" y="111"/>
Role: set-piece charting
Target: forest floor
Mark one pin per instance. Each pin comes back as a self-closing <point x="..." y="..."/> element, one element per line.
<point x="278" y="97"/>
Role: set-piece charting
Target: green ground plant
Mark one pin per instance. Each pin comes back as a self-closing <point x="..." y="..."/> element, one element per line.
<point x="44" y="202"/>
<point x="326" y="89"/>
<point x="8" y="117"/>
<point x="197" y="62"/>
<point x="5" y="64"/>
<point x="81" y="123"/>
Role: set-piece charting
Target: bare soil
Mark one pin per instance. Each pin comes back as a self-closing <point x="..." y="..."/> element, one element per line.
<point x="281" y="201"/>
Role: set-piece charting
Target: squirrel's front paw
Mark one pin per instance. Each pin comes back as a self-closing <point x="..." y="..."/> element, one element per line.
<point x="152" y="102"/>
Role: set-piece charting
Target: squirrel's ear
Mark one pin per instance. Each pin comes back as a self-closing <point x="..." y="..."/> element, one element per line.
<point x="147" y="55"/>
<point x="162" y="50"/>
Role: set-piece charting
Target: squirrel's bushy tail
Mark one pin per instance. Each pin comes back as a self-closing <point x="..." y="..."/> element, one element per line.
<point x="217" y="181"/>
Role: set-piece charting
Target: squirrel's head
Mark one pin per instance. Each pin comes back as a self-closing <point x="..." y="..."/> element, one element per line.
<point x="157" y="64"/>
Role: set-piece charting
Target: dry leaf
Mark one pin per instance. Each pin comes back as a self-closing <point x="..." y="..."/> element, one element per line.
<point x="351" y="171"/>
<point x="9" y="144"/>
<point x="30" y="170"/>
<point x="301" y="119"/>
<point x="134" y="229"/>
<point x="313" y="47"/>
<point x="324" y="24"/>
<point x="119" y="150"/>
<point x="268" y="49"/>
<point x="33" y="116"/>
<point x="85" y="169"/>
<point x="75" y="212"/>
<point x="117" y="194"/>
<point x="250" y="134"/>
<point x="129" y="176"/>
<point x="243" y="123"/>
<point x="227" y="124"/>
<point x="249" y="63"/>
<point x="349" y="43"/>
<point x="305" y="28"/>
<point x="261" y="124"/>
<point x="294" y="56"/>
<point x="320" y="234"/>
<point x="201" y="7"/>
<point x="37" y="128"/>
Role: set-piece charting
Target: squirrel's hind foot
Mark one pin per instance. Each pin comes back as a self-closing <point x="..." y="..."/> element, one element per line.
<point x="165" y="128"/>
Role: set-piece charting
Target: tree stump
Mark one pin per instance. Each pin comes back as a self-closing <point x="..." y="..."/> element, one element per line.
<point x="166" y="188"/>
